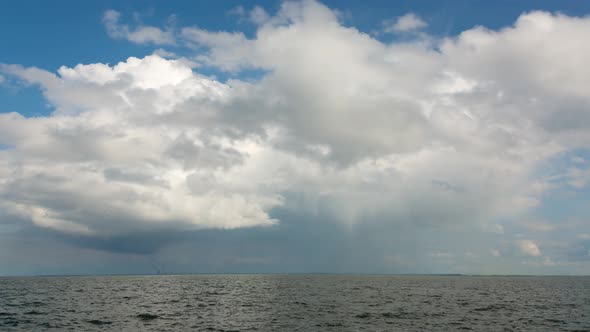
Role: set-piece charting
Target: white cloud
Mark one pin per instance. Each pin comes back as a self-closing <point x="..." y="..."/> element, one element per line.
<point x="405" y="23"/>
<point x="140" y="35"/>
<point x="352" y="127"/>
<point x="107" y="161"/>
<point x="228" y="49"/>
<point x="552" y="100"/>
<point x="165" y="54"/>
<point x="528" y="248"/>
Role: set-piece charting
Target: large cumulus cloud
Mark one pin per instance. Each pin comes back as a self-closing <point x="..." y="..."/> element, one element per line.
<point x="109" y="160"/>
<point x="439" y="133"/>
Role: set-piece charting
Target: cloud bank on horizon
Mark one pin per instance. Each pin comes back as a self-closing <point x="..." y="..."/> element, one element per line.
<point x="465" y="135"/>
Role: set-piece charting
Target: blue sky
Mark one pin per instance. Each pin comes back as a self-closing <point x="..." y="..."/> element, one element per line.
<point x="302" y="136"/>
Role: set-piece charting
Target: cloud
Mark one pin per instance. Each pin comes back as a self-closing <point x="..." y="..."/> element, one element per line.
<point x="406" y="23"/>
<point x="238" y="11"/>
<point x="227" y="48"/>
<point x="528" y="248"/>
<point x="421" y="135"/>
<point x="142" y="34"/>
<point x="547" y="261"/>
<point x="258" y="15"/>
<point x="105" y="164"/>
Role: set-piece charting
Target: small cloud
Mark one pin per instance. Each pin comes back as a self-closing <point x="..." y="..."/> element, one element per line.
<point x="493" y="228"/>
<point x="441" y="255"/>
<point x="238" y="11"/>
<point x="498" y="228"/>
<point x="584" y="236"/>
<point x="258" y="15"/>
<point x="495" y="253"/>
<point x="547" y="261"/>
<point x="142" y="34"/>
<point x="579" y="160"/>
<point x="405" y="23"/>
<point x="165" y="54"/>
<point x="2" y="79"/>
<point x="528" y="248"/>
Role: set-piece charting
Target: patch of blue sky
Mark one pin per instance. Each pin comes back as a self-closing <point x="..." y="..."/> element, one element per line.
<point x="449" y="17"/>
<point x="26" y="100"/>
<point x="563" y="202"/>
<point x="555" y="169"/>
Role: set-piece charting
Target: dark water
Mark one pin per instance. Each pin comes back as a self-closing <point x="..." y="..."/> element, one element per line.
<point x="295" y="303"/>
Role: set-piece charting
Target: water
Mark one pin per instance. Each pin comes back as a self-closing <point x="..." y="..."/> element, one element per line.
<point x="294" y="303"/>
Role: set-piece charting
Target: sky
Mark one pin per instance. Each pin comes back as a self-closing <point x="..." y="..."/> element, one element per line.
<point x="295" y="137"/>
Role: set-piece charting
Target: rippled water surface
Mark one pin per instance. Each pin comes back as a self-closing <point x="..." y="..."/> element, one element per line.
<point x="295" y="303"/>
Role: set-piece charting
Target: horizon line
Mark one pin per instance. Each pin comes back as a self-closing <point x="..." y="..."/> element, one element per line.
<point x="294" y="273"/>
